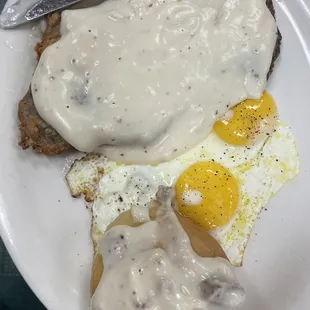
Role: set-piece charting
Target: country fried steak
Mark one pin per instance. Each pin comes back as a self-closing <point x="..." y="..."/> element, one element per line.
<point x="34" y="131"/>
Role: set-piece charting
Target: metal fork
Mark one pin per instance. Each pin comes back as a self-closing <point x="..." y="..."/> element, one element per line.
<point x="19" y="13"/>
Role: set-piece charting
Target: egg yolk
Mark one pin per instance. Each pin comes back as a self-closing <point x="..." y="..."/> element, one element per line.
<point x="250" y="121"/>
<point x="208" y="194"/>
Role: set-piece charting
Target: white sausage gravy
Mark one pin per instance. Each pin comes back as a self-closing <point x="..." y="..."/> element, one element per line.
<point x="146" y="79"/>
<point x="153" y="266"/>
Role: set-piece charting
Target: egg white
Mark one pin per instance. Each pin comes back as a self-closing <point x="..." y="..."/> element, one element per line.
<point x="257" y="168"/>
<point x="83" y="176"/>
<point x="275" y="164"/>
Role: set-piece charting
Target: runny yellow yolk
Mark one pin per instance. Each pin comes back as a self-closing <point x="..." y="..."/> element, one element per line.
<point x="215" y="191"/>
<point x="248" y="122"/>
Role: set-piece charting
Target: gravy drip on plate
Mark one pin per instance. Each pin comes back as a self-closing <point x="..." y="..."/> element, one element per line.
<point x="146" y="79"/>
<point x="153" y="266"/>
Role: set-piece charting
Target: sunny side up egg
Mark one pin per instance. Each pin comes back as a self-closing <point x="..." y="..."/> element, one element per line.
<point x="220" y="186"/>
<point x="248" y="122"/>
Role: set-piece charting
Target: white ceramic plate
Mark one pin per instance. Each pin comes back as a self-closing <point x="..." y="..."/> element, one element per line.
<point x="47" y="233"/>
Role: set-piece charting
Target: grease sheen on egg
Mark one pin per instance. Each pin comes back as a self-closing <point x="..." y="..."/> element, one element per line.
<point x="219" y="194"/>
<point x="248" y="122"/>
